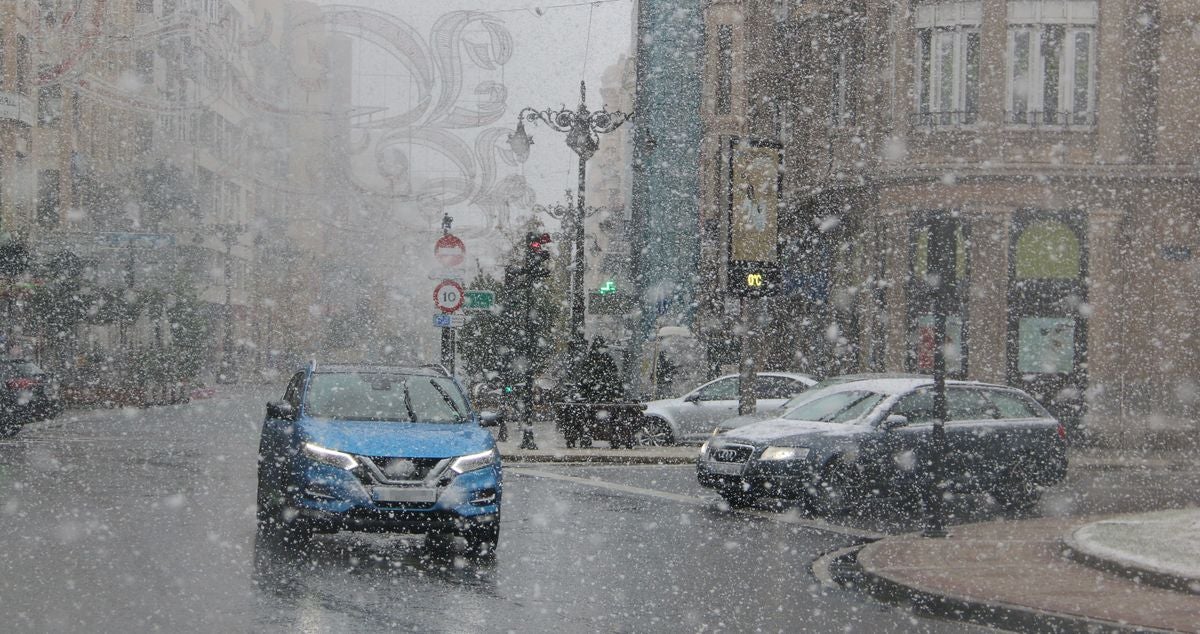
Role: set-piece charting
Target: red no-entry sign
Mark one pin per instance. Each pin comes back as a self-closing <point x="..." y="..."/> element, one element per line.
<point x="450" y="251"/>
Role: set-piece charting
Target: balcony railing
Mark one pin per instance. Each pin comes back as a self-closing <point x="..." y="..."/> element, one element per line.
<point x="16" y="107"/>
<point x="1050" y="118"/>
<point x="943" y="118"/>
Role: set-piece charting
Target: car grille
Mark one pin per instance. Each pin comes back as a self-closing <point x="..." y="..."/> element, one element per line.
<point x="403" y="469"/>
<point x="731" y="453"/>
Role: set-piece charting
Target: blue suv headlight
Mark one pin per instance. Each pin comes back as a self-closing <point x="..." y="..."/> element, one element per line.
<point x="473" y="462"/>
<point x="331" y="457"/>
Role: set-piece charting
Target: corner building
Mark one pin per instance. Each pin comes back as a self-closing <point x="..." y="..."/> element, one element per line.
<point x="1057" y="139"/>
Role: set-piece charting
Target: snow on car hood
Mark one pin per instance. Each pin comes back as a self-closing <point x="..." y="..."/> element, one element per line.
<point x="399" y="440"/>
<point x="778" y="428"/>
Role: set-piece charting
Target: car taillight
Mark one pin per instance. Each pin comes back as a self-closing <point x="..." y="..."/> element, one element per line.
<point x="18" y="385"/>
<point x="1062" y="432"/>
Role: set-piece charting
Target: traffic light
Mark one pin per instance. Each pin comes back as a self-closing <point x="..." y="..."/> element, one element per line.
<point x="536" y="254"/>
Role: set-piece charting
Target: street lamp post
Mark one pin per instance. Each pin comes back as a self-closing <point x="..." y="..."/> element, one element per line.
<point x="229" y="233"/>
<point x="582" y="128"/>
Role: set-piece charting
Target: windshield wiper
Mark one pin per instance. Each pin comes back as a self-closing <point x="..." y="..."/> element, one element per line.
<point x="412" y="416"/>
<point x="449" y="401"/>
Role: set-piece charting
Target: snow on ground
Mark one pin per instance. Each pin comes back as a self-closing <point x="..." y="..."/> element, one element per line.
<point x="1165" y="541"/>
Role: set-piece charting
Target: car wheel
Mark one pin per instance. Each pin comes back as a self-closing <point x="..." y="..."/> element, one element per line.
<point x="278" y="519"/>
<point x="482" y="539"/>
<point x="1017" y="495"/>
<point x="834" y="492"/>
<point x="654" y="432"/>
<point x="738" y="499"/>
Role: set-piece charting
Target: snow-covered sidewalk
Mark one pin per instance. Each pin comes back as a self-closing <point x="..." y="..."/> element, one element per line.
<point x="1161" y="546"/>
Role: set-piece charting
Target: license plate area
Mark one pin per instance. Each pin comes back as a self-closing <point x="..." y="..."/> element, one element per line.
<point x="403" y="494"/>
<point x="725" y="468"/>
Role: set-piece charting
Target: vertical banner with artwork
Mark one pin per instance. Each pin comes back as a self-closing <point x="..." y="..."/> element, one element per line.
<point x="755" y="186"/>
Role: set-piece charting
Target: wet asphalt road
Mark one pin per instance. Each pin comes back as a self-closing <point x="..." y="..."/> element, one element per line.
<point x="143" y="520"/>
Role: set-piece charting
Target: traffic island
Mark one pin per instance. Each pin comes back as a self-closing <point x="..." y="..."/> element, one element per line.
<point x="1015" y="574"/>
<point x="1160" y="549"/>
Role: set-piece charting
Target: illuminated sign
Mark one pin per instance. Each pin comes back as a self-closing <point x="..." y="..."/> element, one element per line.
<point x="754" y="178"/>
<point x="608" y="288"/>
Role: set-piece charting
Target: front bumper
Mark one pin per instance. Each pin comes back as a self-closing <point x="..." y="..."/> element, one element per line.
<point x="785" y="479"/>
<point x="336" y="499"/>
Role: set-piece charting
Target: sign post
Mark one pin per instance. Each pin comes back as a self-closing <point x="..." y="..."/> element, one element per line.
<point x="448" y="296"/>
<point x="755" y="178"/>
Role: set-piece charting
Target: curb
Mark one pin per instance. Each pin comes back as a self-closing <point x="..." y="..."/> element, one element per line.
<point x="1138" y="574"/>
<point x="993" y="613"/>
<point x="546" y="457"/>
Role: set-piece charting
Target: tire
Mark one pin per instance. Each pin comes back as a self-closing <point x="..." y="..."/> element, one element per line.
<point x="1017" y="495"/>
<point x="279" y="520"/>
<point x="738" y="499"/>
<point x="654" y="432"/>
<point x="482" y="539"/>
<point x="833" y="494"/>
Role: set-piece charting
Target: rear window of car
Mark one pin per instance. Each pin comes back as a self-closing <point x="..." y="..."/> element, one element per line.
<point x="385" y="397"/>
<point x="775" y="387"/>
<point x="838" y="407"/>
<point x="1015" y="405"/>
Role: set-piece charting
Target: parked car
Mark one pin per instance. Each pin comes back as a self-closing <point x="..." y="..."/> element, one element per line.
<point x="871" y="437"/>
<point x="693" y="416"/>
<point x="762" y="413"/>
<point x="27" y="393"/>
<point x="378" y="448"/>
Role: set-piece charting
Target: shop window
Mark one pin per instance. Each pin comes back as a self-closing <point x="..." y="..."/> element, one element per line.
<point x="1047" y="249"/>
<point x="923" y="296"/>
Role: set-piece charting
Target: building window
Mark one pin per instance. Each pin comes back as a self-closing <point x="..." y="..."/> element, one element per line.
<point x="144" y="62"/>
<point x="948" y="60"/>
<point x="21" y="77"/>
<point x="48" y="201"/>
<point x="782" y="9"/>
<point x="144" y="6"/>
<point x="923" y="296"/>
<point x="724" y="69"/>
<point x="50" y="104"/>
<point x="841" y="112"/>
<point x="1052" y="62"/>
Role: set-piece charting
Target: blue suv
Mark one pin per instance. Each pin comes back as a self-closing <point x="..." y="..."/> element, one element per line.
<point x="379" y="448"/>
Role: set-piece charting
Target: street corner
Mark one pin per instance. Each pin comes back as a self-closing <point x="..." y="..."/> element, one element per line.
<point x="1016" y="574"/>
<point x="1160" y="548"/>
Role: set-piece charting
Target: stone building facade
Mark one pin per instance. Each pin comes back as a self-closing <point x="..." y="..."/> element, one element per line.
<point x="1055" y="139"/>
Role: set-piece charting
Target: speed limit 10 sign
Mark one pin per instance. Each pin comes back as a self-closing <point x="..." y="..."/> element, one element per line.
<point x="448" y="296"/>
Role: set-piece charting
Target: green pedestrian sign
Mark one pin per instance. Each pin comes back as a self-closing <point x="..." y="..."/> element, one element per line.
<point x="479" y="300"/>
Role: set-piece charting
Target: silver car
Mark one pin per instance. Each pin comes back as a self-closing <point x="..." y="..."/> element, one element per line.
<point x="692" y="417"/>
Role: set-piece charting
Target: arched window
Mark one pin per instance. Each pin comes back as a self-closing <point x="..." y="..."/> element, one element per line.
<point x="1048" y="249"/>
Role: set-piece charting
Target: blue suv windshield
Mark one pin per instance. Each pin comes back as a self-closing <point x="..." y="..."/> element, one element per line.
<point x="380" y="396"/>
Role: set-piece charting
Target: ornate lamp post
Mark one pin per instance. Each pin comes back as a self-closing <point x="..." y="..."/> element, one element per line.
<point x="582" y="128"/>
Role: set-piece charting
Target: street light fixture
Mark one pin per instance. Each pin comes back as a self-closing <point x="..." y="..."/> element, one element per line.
<point x="582" y="127"/>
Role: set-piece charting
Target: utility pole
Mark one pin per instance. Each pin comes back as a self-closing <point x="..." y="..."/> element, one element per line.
<point x="941" y="264"/>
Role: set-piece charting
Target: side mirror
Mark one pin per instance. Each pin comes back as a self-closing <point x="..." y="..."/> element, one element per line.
<point x="490" y="419"/>
<point x="281" y="410"/>
<point x="694" y="397"/>
<point x="894" y="421"/>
